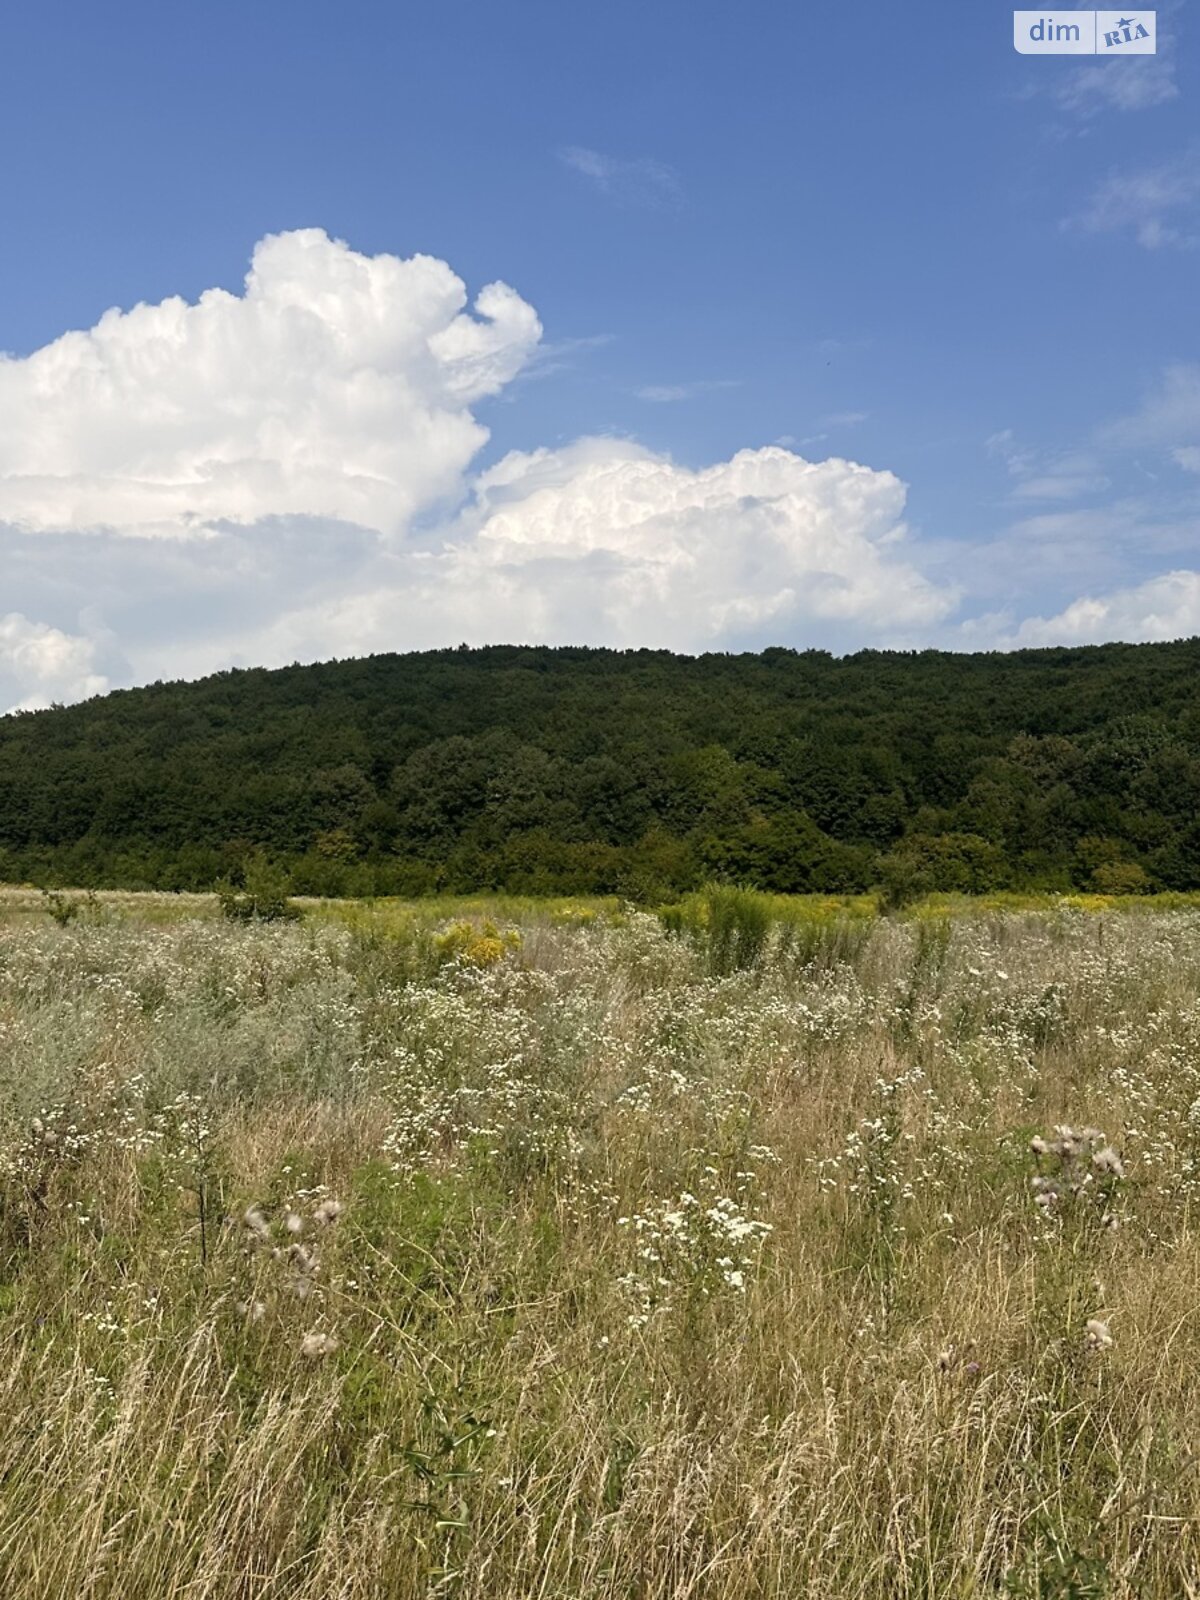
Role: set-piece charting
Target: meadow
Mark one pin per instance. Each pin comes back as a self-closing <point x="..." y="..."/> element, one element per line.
<point x="565" y="1250"/>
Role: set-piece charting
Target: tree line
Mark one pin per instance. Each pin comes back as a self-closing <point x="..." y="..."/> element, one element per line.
<point x="641" y="773"/>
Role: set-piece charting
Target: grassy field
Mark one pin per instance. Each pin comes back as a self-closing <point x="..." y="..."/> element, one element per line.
<point x="400" y="918"/>
<point x="503" y="1250"/>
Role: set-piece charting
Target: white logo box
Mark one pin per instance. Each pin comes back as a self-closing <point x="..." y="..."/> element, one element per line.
<point x="1085" y="33"/>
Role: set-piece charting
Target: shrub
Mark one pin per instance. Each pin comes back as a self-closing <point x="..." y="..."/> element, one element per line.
<point x="61" y="907"/>
<point x="1120" y="877"/>
<point x="263" y="896"/>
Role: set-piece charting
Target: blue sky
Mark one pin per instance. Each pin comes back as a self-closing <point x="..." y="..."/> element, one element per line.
<point x="864" y="232"/>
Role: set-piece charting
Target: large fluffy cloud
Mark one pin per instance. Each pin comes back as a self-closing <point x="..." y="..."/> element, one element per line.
<point x="606" y="543"/>
<point x="601" y="542"/>
<point x="676" y="556"/>
<point x="338" y="385"/>
<point x="183" y="487"/>
<point x="290" y="473"/>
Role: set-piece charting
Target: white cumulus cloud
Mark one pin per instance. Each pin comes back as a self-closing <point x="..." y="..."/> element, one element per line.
<point x="40" y="664"/>
<point x="681" y="556"/>
<point x="337" y="385"/>
<point x="598" y="543"/>
<point x="189" y="487"/>
<point x="184" y="487"/>
<point x="1164" y="607"/>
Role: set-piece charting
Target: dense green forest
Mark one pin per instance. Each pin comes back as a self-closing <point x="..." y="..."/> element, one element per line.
<point x="632" y="772"/>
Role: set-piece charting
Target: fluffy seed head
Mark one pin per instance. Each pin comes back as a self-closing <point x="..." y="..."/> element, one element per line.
<point x="1108" y="1163"/>
<point x="302" y="1259"/>
<point x="256" y="1222"/>
<point x="315" y="1345"/>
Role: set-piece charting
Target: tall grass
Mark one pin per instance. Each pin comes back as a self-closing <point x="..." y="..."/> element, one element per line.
<point x="754" y="1257"/>
<point x="736" y="926"/>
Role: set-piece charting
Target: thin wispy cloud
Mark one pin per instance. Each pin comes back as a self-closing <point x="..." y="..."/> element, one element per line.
<point x="641" y="181"/>
<point x="1047" y="474"/>
<point x="1133" y="83"/>
<point x="1117" y="541"/>
<point x="1159" y="205"/>
<point x="1068" y="477"/>
<point x="833" y="423"/>
<point x="553" y="356"/>
<point x="829" y="348"/>
<point x="667" y="393"/>
<point x="1167" y="421"/>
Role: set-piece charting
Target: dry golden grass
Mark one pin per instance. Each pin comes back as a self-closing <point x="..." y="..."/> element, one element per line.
<point x="650" y="1281"/>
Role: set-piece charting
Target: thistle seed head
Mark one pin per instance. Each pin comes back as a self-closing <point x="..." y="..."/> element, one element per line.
<point x="256" y="1222"/>
<point x="315" y="1345"/>
<point x="1107" y="1163"/>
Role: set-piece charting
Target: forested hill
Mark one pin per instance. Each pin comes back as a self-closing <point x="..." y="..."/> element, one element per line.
<point x="634" y="772"/>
